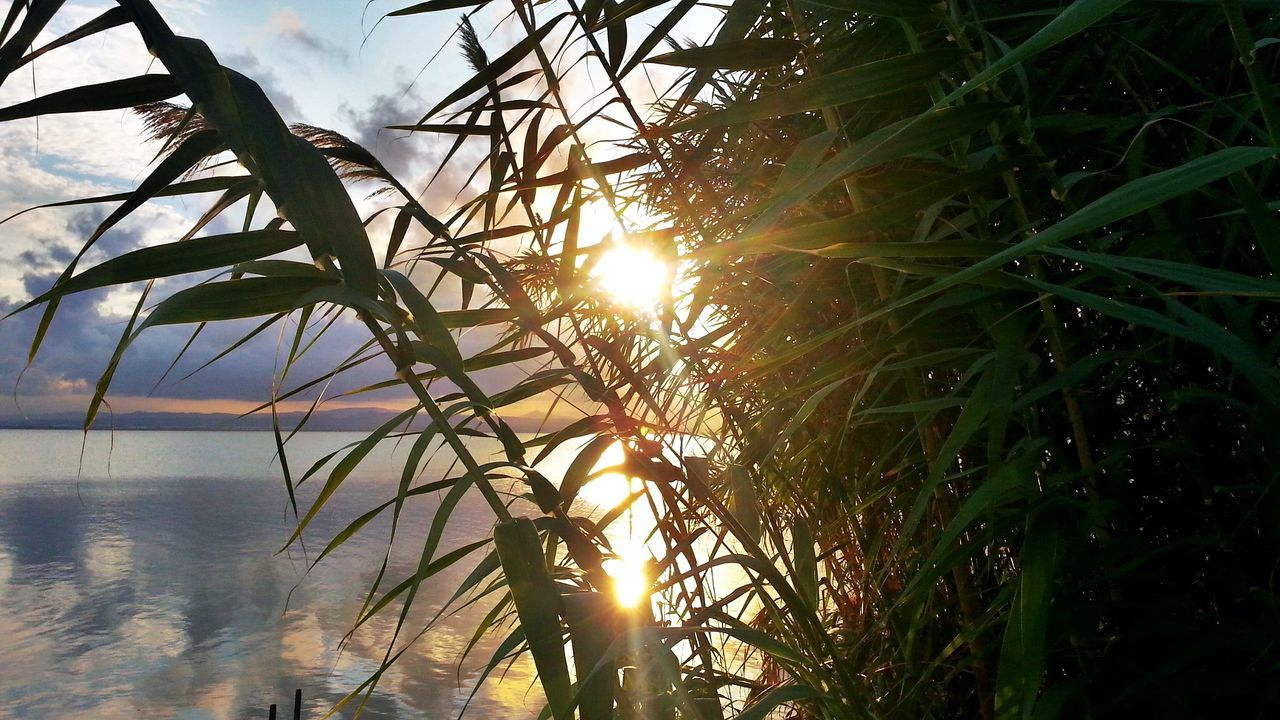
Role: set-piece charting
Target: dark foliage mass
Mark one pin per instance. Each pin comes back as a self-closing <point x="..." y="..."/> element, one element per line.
<point x="974" y="322"/>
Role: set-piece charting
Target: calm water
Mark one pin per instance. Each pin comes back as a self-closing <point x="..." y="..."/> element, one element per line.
<point x="148" y="584"/>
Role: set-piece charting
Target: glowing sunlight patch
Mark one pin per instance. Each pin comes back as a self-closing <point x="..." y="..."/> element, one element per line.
<point x="633" y="277"/>
<point x="610" y="489"/>
<point x="630" y="575"/>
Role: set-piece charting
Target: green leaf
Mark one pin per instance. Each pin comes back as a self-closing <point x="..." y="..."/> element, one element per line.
<point x="1199" y="329"/>
<point x="1127" y="200"/>
<point x="941" y="249"/>
<point x="449" y="129"/>
<point x="113" y="95"/>
<point x="432" y="568"/>
<point x="749" y="54"/>
<point x="113" y="17"/>
<point x="741" y="16"/>
<point x="249" y="297"/>
<point x="773" y="699"/>
<point x="495" y="69"/>
<point x="435" y="6"/>
<point x="862" y="82"/>
<point x="190" y="153"/>
<point x="426" y="318"/>
<point x="104" y="381"/>
<point x="343" y="469"/>
<point x="488" y="360"/>
<point x="806" y="563"/>
<point x="802" y="415"/>
<point x="206" y="253"/>
<point x="885" y="8"/>
<point x="744" y="504"/>
<point x="38" y="15"/>
<point x="188" y="187"/>
<point x="998" y="487"/>
<point x="656" y="35"/>
<point x="582" y="171"/>
<point x="354" y="526"/>
<point x="1206" y="279"/>
<point x="280" y="268"/>
<point x="579" y="470"/>
<point x="844" y="236"/>
<point x="294" y="173"/>
<point x="1077" y="17"/>
<point x="591" y="617"/>
<point x="537" y="603"/>
<point x="477" y="317"/>
<point x="616" y="33"/>
<point x="1023" y="653"/>
<point x="914" y="135"/>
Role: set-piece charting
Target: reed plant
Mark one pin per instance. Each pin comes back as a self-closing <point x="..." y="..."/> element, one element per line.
<point x="973" y="320"/>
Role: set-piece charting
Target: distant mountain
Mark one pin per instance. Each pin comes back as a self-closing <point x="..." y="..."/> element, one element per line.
<point x="345" y="419"/>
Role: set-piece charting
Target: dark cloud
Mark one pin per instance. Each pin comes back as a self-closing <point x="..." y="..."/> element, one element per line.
<point x="396" y="149"/>
<point x="317" y="45"/>
<point x="116" y="241"/>
<point x="51" y="254"/>
<point x="86" y="330"/>
<point x="47" y="253"/>
<point x="82" y="339"/>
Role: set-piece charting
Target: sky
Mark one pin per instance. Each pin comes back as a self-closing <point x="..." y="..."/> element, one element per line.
<point x="334" y="64"/>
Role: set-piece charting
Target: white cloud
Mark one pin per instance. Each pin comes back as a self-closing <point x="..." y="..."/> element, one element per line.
<point x="70" y="156"/>
<point x="102" y="144"/>
<point x="286" y="23"/>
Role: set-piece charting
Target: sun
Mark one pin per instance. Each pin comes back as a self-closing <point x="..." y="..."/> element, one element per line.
<point x="633" y="277"/>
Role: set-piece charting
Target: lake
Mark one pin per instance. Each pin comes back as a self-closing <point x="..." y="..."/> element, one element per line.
<point x="147" y="582"/>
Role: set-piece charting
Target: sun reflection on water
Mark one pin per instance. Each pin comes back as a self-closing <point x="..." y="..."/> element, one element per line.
<point x="631" y="574"/>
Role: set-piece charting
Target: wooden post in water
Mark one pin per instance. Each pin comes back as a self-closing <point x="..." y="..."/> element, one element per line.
<point x="297" y="707"/>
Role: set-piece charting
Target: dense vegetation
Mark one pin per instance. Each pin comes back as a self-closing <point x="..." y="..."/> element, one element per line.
<point x="975" y="316"/>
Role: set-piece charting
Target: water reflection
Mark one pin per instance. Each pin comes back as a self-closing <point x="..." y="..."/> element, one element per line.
<point x="151" y="589"/>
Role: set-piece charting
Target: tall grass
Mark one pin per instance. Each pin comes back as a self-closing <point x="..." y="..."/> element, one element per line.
<point x="977" y="322"/>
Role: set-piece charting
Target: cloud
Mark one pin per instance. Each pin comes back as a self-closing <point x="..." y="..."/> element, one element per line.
<point x="44" y="240"/>
<point x="401" y="152"/>
<point x="99" y="146"/>
<point x="286" y="23"/>
<point x="87" y="328"/>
